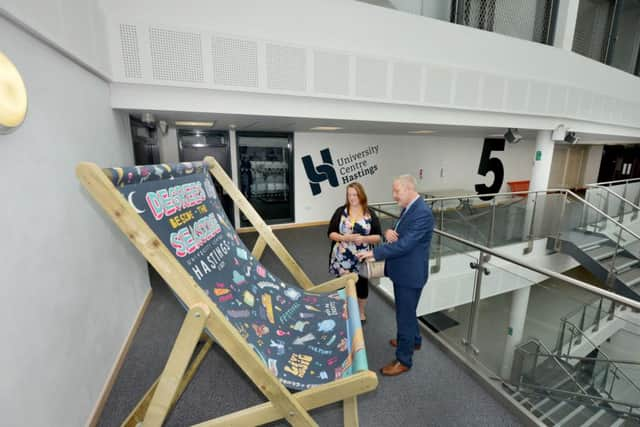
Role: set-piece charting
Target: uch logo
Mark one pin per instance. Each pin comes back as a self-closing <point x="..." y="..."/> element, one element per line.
<point x="322" y="172"/>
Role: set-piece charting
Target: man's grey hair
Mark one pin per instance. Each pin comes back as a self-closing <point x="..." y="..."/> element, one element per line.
<point x="407" y="180"/>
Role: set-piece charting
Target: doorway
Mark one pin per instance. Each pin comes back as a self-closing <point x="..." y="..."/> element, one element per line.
<point x="619" y="162"/>
<point x="146" y="150"/>
<point x="195" y="145"/>
<point x="265" y="171"/>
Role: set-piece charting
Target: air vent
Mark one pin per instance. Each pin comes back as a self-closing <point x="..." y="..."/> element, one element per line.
<point x="130" y="53"/>
<point x="176" y="56"/>
<point x="286" y="68"/>
<point x="235" y="62"/>
<point x="371" y="78"/>
<point x="406" y="82"/>
<point x="331" y="73"/>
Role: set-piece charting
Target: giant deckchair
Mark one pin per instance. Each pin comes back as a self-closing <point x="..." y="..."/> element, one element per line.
<point x="284" y="337"/>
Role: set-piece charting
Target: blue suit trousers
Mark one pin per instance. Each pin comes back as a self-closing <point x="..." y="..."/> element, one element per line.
<point x="408" y="331"/>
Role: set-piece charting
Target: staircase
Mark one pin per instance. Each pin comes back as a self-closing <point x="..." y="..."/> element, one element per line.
<point x="558" y="393"/>
<point x="597" y="253"/>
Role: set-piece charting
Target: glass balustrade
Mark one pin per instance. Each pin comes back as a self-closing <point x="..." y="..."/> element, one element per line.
<point x="542" y="338"/>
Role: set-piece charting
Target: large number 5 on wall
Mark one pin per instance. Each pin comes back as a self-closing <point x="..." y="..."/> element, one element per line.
<point x="491" y="164"/>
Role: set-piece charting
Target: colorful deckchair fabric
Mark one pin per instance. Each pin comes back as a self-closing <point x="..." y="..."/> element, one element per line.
<point x="304" y="338"/>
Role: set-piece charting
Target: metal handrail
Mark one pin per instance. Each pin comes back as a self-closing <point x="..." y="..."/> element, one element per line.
<point x="589" y="359"/>
<point x="620" y="181"/>
<point x="551" y="190"/>
<point x="604" y="354"/>
<point x="610" y="191"/>
<point x="546" y="272"/>
<point x="585" y="393"/>
<point x="541" y="344"/>
<point x="591" y="397"/>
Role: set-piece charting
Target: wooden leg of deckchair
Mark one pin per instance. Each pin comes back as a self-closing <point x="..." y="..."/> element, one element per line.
<point x="343" y="389"/>
<point x="174" y="371"/>
<point x="137" y="414"/>
<point x="350" y="408"/>
<point x="259" y="247"/>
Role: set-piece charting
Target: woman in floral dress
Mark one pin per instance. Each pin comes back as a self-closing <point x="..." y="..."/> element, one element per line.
<point x="353" y="228"/>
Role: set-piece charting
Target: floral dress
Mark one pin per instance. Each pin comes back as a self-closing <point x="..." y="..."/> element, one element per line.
<point x="343" y="255"/>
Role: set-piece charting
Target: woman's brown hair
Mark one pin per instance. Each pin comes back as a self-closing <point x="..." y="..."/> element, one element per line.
<point x="362" y="197"/>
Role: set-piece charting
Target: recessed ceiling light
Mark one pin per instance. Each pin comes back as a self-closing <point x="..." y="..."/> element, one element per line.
<point x="327" y="128"/>
<point x="189" y="123"/>
<point x="422" y="132"/>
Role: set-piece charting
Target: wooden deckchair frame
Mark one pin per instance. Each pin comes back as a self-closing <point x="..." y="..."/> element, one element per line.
<point x="204" y="314"/>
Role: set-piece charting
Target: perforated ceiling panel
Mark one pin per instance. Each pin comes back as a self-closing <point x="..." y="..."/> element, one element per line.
<point x="573" y="101"/>
<point x="176" y="55"/>
<point x="557" y="100"/>
<point x="330" y="73"/>
<point x="406" y="82"/>
<point x="286" y="68"/>
<point x="467" y="89"/>
<point x="493" y="92"/>
<point x="235" y="62"/>
<point x="516" y="95"/>
<point x="538" y="97"/>
<point x="371" y="78"/>
<point x="438" y="86"/>
<point x="130" y="52"/>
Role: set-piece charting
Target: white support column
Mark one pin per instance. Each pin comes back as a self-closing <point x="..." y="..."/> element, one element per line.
<point x="233" y="148"/>
<point x="520" y="298"/>
<point x="539" y="177"/>
<point x="566" y="24"/>
<point x="517" y="317"/>
<point x="542" y="162"/>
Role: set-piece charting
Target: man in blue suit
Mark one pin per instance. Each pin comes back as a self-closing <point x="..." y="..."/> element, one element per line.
<point x="406" y="251"/>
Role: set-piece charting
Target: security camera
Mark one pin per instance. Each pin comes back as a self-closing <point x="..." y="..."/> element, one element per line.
<point x="571" y="138"/>
<point x="512" y="136"/>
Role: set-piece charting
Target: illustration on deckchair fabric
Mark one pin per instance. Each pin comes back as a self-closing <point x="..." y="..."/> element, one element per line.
<point x="305" y="339"/>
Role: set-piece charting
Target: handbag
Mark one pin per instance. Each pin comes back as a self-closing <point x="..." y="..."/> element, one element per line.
<point x="371" y="269"/>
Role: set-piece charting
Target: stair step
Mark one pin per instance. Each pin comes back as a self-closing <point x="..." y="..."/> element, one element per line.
<point x="585" y="240"/>
<point x="570" y="416"/>
<point x="623" y="262"/>
<point x="630" y="277"/>
<point x="602" y="252"/>
<point x="618" y="422"/>
<point x="594" y="418"/>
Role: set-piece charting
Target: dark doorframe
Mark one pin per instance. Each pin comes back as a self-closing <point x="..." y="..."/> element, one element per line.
<point x="277" y="206"/>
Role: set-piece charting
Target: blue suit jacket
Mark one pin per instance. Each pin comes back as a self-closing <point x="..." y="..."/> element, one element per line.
<point x="407" y="259"/>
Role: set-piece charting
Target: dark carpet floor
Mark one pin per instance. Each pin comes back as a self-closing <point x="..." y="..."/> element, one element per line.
<point x="436" y="392"/>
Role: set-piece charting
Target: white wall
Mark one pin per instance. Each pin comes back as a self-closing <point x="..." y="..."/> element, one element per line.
<point x="457" y="157"/>
<point x="76" y="27"/>
<point x="71" y="284"/>
<point x="592" y="166"/>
